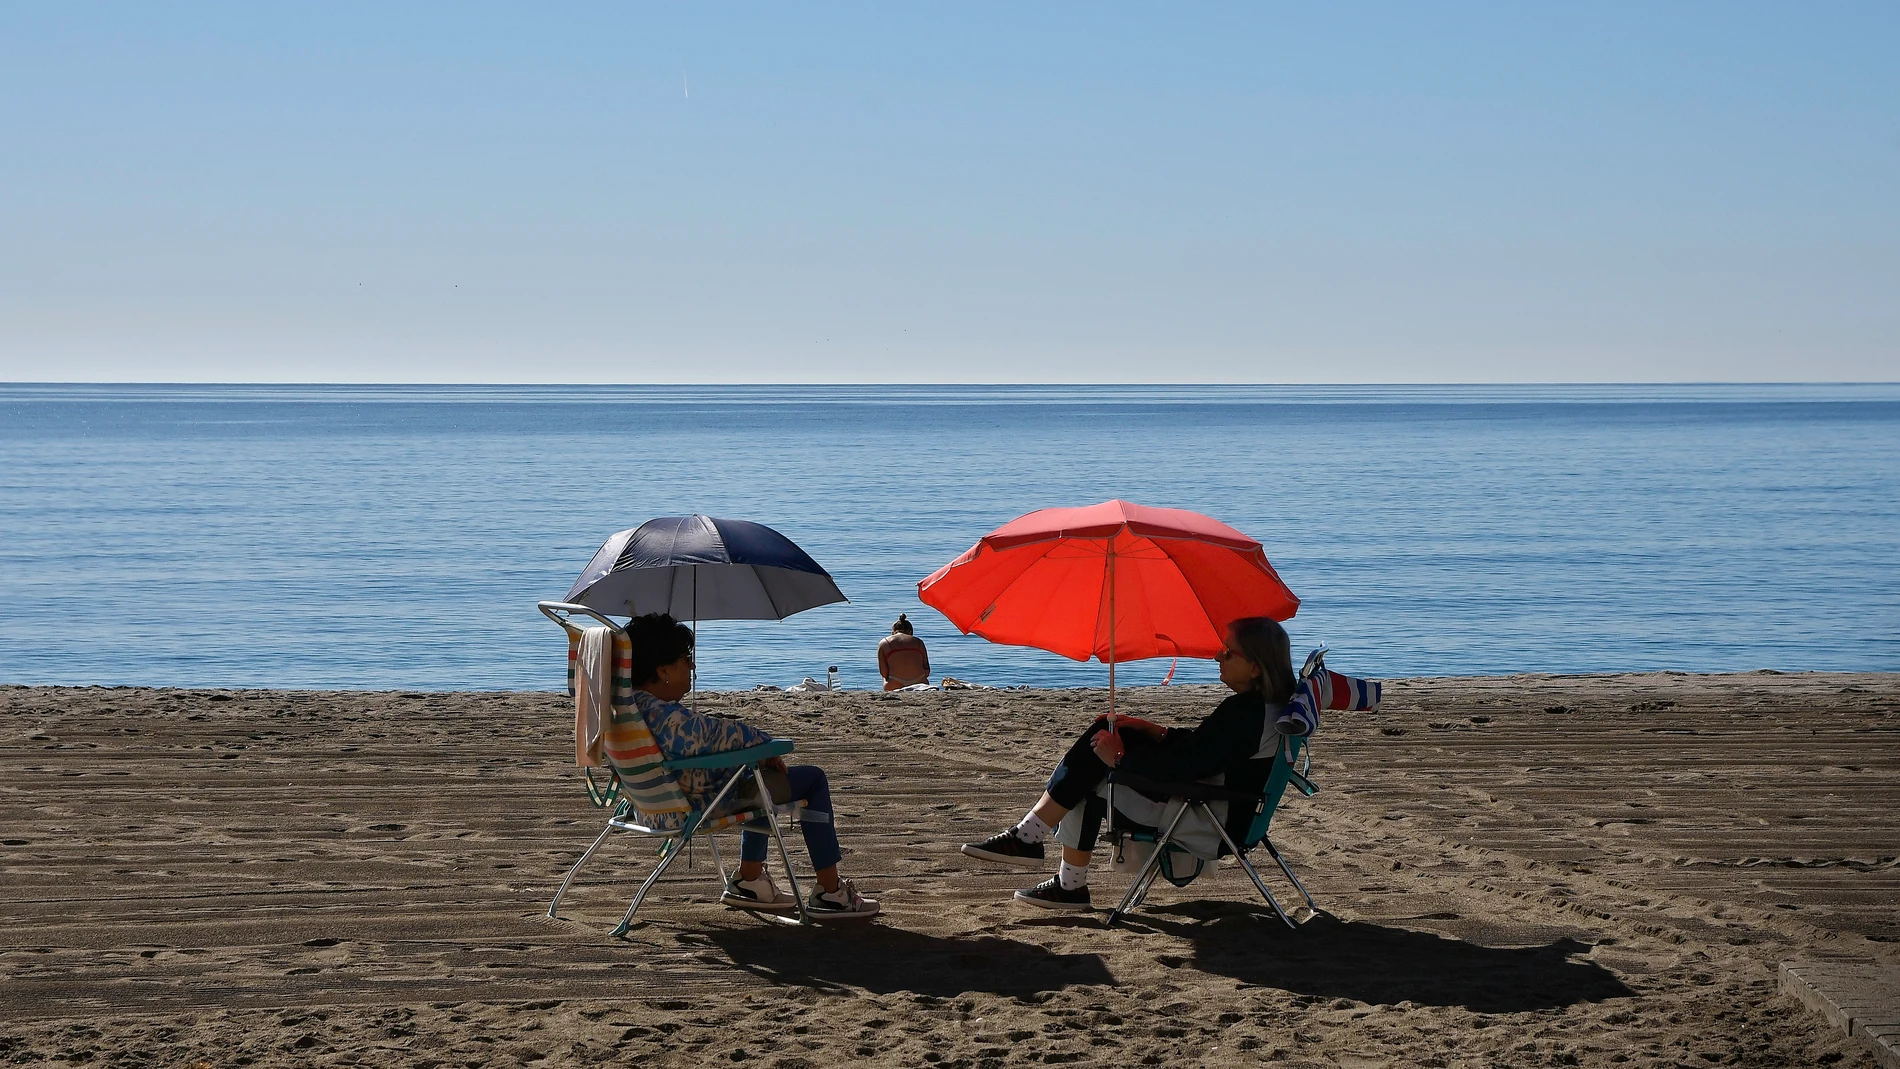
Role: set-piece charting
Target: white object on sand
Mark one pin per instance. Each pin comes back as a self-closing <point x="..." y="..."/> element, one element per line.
<point x="593" y="693"/>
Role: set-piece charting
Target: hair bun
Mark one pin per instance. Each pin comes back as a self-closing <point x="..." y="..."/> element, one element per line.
<point x="904" y="616"/>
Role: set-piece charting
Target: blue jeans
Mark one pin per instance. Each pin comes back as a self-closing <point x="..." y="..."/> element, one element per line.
<point x="821" y="837"/>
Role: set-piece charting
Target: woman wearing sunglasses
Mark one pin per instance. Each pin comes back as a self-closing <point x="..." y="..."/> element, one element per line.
<point x="1256" y="664"/>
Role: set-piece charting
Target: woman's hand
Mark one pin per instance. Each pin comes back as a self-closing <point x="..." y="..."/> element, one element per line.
<point x="1123" y="723"/>
<point x="1108" y="747"/>
<point x="776" y="764"/>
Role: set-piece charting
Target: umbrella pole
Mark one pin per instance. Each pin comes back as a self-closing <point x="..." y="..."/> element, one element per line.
<point x="1111" y="672"/>
<point x="1111" y="633"/>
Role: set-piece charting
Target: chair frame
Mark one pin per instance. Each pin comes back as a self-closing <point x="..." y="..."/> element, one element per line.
<point x="1197" y="796"/>
<point x="675" y="841"/>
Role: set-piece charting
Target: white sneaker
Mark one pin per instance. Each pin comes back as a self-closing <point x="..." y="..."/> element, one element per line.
<point x="844" y="902"/>
<point x="760" y="894"/>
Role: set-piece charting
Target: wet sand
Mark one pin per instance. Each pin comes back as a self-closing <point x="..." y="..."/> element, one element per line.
<point x="1531" y="870"/>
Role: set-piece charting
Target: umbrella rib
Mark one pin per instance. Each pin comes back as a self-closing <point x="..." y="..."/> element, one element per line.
<point x="1199" y="603"/>
<point x="719" y="538"/>
<point x="1004" y="589"/>
<point x="672" y="545"/>
<point x="769" y="598"/>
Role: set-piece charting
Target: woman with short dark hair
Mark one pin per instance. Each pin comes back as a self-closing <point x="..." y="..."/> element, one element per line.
<point x="662" y="671"/>
<point x="1256" y="664"/>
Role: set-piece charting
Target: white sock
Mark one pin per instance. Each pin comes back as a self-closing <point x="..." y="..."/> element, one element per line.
<point x="1032" y="829"/>
<point x="1072" y="877"/>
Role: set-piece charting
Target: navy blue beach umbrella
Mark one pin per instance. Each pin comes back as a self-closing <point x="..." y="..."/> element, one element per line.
<point x="703" y="568"/>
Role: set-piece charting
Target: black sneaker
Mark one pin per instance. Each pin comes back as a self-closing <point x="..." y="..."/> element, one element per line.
<point x="1004" y="846"/>
<point x="1049" y="895"/>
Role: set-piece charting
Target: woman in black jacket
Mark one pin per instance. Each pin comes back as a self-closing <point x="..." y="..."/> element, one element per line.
<point x="1256" y="665"/>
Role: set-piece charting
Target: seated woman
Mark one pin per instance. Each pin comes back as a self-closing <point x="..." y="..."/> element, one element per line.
<point x="1255" y="664"/>
<point x="901" y="658"/>
<point x="662" y="674"/>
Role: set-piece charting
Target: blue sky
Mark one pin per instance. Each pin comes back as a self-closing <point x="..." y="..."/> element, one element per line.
<point x="952" y="193"/>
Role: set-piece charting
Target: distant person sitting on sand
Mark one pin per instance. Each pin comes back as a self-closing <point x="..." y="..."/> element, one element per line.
<point x="1256" y="664"/>
<point x="901" y="657"/>
<point x="662" y="674"/>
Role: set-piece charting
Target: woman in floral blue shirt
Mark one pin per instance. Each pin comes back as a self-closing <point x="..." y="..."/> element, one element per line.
<point x="662" y="674"/>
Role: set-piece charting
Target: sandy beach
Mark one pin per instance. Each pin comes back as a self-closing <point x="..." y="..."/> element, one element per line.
<point x="1532" y="870"/>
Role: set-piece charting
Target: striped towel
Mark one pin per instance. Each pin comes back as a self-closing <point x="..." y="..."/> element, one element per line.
<point x="628" y="745"/>
<point x="1325" y="689"/>
<point x="649" y="788"/>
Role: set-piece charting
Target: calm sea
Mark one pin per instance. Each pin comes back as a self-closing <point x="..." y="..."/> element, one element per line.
<point x="398" y="537"/>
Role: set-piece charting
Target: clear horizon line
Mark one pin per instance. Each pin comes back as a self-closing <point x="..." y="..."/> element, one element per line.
<point x="970" y="385"/>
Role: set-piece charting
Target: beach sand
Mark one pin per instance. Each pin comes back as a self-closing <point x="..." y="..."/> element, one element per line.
<point x="1532" y="870"/>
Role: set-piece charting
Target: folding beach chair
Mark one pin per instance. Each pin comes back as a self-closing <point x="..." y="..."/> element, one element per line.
<point x="1190" y="829"/>
<point x="643" y="785"/>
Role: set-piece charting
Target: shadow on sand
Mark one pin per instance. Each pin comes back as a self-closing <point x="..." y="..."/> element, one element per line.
<point x="1326" y="958"/>
<point x="884" y="960"/>
<point x="1374" y="964"/>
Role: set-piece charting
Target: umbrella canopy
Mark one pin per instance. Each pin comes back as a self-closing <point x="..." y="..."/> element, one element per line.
<point x="1115" y="581"/>
<point x="703" y="568"/>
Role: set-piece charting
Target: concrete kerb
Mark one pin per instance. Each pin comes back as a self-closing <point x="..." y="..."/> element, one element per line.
<point x="1861" y="998"/>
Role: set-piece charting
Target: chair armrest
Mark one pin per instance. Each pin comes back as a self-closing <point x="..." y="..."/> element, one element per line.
<point x="733" y="758"/>
<point x="1193" y="792"/>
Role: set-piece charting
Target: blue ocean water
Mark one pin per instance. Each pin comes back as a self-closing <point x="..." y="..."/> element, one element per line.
<point x="398" y="537"/>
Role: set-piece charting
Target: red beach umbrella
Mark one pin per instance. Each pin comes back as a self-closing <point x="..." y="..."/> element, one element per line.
<point x="1115" y="582"/>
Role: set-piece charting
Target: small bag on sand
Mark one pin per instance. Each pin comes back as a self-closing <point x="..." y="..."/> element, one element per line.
<point x="777" y="784"/>
<point x="746" y="795"/>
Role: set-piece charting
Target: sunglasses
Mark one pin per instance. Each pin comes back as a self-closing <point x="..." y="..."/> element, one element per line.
<point x="1227" y="655"/>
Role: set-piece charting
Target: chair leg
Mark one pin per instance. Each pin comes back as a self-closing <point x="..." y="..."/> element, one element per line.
<point x="672" y="850"/>
<point x="1141" y="890"/>
<point x="798" y="896"/>
<point x="1252" y="874"/>
<point x="1138" y="889"/>
<point x="713" y="841"/>
<point x="1288" y="869"/>
<point x="1132" y="897"/>
<point x="712" y="838"/>
<point x="556" y="904"/>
